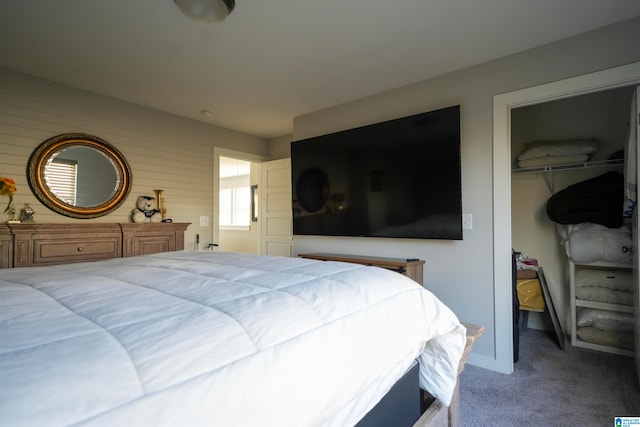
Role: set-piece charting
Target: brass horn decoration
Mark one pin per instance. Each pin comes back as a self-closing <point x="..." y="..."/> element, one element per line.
<point x="162" y="207"/>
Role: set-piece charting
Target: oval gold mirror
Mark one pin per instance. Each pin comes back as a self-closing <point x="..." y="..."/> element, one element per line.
<point x="79" y="175"/>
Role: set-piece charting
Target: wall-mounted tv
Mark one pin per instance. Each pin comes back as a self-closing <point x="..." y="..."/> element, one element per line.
<point x="400" y="178"/>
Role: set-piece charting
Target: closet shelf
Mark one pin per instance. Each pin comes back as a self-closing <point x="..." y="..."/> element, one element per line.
<point x="570" y="166"/>
<point x="595" y="275"/>
<point x="604" y="348"/>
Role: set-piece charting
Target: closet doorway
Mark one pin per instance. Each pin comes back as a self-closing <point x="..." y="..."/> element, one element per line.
<point x="599" y="119"/>
<point x="502" y="163"/>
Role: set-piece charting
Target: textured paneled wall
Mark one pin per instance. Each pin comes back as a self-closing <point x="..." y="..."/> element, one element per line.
<point x="164" y="151"/>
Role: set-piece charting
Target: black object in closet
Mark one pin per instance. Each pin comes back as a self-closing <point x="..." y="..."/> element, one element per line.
<point x="516" y="308"/>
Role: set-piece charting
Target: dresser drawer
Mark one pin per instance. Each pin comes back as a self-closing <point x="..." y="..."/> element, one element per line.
<point x="74" y="250"/>
<point x="32" y="244"/>
<point x="146" y="245"/>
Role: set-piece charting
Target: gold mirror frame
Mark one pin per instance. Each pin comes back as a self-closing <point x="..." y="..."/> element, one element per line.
<point x="51" y="146"/>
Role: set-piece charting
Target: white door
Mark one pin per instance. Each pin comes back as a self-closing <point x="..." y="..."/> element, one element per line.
<point x="275" y="208"/>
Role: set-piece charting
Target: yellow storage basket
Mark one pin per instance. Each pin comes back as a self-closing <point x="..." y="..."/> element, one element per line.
<point x="530" y="295"/>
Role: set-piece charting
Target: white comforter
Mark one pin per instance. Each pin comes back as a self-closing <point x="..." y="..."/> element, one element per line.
<point x="224" y="339"/>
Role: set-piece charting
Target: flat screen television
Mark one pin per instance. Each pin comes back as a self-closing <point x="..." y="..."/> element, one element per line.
<point x="400" y="178"/>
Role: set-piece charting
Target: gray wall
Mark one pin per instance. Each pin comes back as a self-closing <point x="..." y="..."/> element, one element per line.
<point x="280" y="148"/>
<point x="461" y="273"/>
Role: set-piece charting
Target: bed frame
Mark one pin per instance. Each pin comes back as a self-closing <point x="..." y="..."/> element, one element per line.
<point x="438" y="415"/>
<point x="405" y="402"/>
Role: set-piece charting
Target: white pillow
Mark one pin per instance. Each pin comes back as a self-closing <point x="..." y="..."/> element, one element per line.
<point x="558" y="148"/>
<point x="553" y="160"/>
<point x="594" y="242"/>
<point x="605" y="320"/>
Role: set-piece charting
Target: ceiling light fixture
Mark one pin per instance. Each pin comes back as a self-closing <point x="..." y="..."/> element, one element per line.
<point x="206" y="10"/>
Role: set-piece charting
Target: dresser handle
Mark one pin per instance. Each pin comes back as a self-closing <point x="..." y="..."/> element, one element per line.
<point x="80" y="249"/>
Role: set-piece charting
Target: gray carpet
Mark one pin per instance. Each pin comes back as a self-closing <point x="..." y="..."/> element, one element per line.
<point x="551" y="387"/>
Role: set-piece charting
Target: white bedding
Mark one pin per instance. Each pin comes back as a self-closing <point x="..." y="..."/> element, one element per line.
<point x="606" y="295"/>
<point x="537" y="162"/>
<point x="194" y="338"/>
<point x="606" y="278"/>
<point x="586" y="242"/>
<point x="550" y="148"/>
<point x="604" y="320"/>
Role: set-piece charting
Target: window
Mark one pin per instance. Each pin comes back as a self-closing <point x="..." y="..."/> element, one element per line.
<point x="235" y="206"/>
<point x="61" y="176"/>
<point x="235" y="194"/>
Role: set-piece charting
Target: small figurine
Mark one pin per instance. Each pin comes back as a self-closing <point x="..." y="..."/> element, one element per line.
<point x="12" y="212"/>
<point x="27" y="213"/>
<point x="146" y="210"/>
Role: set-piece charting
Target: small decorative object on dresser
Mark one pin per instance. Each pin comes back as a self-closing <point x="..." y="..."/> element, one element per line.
<point x="146" y="210"/>
<point x="12" y="213"/>
<point x="27" y="213"/>
<point x="8" y="188"/>
<point x="162" y="207"/>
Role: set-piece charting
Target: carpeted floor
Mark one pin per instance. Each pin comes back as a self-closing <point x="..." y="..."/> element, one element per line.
<point x="551" y="387"/>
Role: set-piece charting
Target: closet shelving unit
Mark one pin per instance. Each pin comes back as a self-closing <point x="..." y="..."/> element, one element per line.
<point x="548" y="170"/>
<point x="570" y="166"/>
<point x="577" y="303"/>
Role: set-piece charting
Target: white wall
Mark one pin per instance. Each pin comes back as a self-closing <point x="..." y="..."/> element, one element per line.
<point x="163" y="151"/>
<point x="238" y="240"/>
<point x="461" y="273"/>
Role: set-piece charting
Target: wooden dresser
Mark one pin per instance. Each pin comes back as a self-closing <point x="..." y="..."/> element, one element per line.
<point x="28" y="245"/>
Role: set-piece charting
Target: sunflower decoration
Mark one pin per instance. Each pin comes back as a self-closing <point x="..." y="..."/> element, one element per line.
<point x="7" y="188"/>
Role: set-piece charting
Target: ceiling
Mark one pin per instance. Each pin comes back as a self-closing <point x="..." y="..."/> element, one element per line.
<point x="271" y="61"/>
<point x="230" y="168"/>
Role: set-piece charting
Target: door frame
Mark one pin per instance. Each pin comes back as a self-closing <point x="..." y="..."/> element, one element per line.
<point x="215" y="214"/>
<point x="625" y="75"/>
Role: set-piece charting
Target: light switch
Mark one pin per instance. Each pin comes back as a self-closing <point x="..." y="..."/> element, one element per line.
<point x="467" y="222"/>
<point x="204" y="221"/>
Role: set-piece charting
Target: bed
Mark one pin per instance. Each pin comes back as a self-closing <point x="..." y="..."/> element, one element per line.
<point x="216" y="338"/>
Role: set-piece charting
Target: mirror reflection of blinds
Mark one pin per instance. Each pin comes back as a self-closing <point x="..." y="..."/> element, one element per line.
<point x="61" y="176"/>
